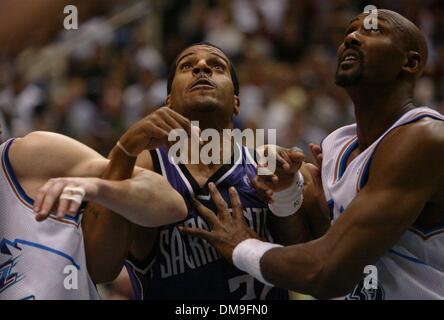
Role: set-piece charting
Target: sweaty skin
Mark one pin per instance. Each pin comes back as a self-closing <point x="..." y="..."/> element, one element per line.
<point x="400" y="191"/>
<point x="202" y="90"/>
<point x="59" y="161"/>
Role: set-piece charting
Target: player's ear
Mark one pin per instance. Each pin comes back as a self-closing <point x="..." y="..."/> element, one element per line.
<point x="168" y="100"/>
<point x="236" y="105"/>
<point x="412" y="63"/>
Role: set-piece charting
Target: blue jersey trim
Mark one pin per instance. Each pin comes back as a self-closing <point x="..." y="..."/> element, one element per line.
<point x="39" y="246"/>
<point x="10" y="172"/>
<point x="365" y="173"/>
<point x="21" y="193"/>
<point x="344" y="158"/>
<point x="137" y="290"/>
<point x="412" y="259"/>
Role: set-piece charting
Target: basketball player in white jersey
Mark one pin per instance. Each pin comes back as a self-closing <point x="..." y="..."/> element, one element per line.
<point x="43" y="179"/>
<point x="383" y="178"/>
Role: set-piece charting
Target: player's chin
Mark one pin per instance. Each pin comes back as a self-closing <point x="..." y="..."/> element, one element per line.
<point x="347" y="78"/>
<point x="204" y="103"/>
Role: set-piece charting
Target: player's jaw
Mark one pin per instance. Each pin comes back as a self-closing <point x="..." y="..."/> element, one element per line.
<point x="350" y="66"/>
<point x="204" y="98"/>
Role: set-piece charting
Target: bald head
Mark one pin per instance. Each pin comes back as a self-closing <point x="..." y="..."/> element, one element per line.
<point x="412" y="39"/>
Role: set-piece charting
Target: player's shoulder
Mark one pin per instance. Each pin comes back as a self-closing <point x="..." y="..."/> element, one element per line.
<point x="417" y="144"/>
<point x="51" y="145"/>
<point x="39" y="141"/>
<point x="426" y="135"/>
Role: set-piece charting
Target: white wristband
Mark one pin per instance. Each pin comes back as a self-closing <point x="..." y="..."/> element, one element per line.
<point x="288" y="201"/>
<point x="247" y="257"/>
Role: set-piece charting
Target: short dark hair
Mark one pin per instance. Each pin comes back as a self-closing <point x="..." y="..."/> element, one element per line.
<point x="173" y="67"/>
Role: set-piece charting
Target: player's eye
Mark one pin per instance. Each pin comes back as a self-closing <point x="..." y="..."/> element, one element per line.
<point x="186" y="66"/>
<point x="219" y="67"/>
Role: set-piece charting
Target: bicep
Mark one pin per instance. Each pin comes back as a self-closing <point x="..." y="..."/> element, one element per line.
<point x="53" y="155"/>
<point x="370" y="226"/>
<point x="398" y="188"/>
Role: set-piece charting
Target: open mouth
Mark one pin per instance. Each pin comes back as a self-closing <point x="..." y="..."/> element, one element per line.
<point x="350" y="57"/>
<point x="202" y="83"/>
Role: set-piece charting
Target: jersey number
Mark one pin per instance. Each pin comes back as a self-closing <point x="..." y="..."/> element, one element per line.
<point x="247" y="281"/>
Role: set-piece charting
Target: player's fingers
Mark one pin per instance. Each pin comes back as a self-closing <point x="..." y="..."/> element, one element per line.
<point x="174" y="124"/>
<point x="164" y="124"/>
<point x="74" y="207"/>
<point x="159" y="134"/>
<point x="63" y="208"/>
<point x="266" y="182"/>
<point x="264" y="169"/>
<point x="282" y="159"/>
<point x="41" y="195"/>
<point x="196" y="232"/>
<point x="206" y="213"/>
<point x="235" y="204"/>
<point x="176" y="121"/>
<point x="184" y="122"/>
<point x="221" y="205"/>
<point x="51" y="196"/>
<point x="316" y="152"/>
<point x="264" y="191"/>
<point x="296" y="155"/>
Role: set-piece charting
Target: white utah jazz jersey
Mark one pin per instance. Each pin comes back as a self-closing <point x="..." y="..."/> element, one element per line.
<point x="38" y="260"/>
<point x="414" y="267"/>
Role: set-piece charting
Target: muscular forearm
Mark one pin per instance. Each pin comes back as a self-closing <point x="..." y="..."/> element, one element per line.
<point x="307" y="269"/>
<point x="133" y="199"/>
<point x="290" y="230"/>
<point x="108" y="235"/>
<point x="317" y="218"/>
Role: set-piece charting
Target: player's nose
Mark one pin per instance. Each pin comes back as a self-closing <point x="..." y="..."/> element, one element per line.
<point x="352" y="40"/>
<point x="202" y="67"/>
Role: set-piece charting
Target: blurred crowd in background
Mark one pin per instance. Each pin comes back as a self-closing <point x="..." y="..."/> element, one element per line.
<point x="94" y="82"/>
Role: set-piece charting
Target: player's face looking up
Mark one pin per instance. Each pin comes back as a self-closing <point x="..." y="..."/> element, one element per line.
<point x="202" y="88"/>
<point x="392" y="51"/>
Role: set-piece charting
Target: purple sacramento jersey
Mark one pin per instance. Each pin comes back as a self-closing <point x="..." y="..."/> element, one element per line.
<point x="185" y="267"/>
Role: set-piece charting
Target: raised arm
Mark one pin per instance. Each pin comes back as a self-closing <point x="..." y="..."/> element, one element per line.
<point x="108" y="236"/>
<point x="400" y="184"/>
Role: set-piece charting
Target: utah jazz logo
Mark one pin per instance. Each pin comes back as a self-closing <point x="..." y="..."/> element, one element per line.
<point x="9" y="257"/>
<point x="7" y="275"/>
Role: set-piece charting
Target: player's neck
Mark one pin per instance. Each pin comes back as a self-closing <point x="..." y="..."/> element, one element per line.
<point x="209" y="120"/>
<point x="377" y="108"/>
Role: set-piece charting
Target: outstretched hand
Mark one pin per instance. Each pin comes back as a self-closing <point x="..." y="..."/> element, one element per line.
<point x="227" y="230"/>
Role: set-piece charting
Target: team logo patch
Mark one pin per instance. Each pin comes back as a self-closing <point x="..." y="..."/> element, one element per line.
<point x="7" y="264"/>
